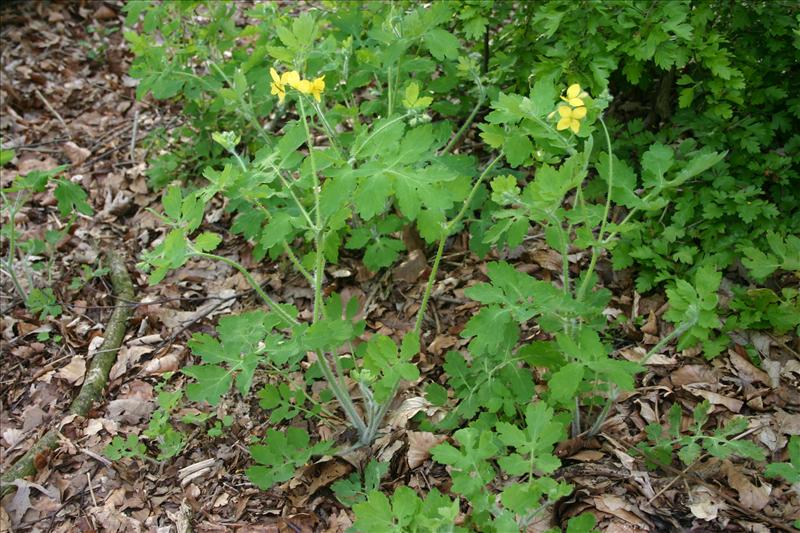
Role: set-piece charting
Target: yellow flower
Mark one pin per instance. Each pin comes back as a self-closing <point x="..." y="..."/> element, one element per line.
<point x="575" y="95"/>
<point x="570" y="117"/>
<point x="317" y="86"/>
<point x="304" y="86"/>
<point x="277" y="85"/>
<point x="290" y="78"/>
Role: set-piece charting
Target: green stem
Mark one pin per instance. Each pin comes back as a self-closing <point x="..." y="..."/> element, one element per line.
<point x="253" y="283"/>
<point x="445" y="234"/>
<point x="431" y="279"/>
<point x="389" y="84"/>
<point x="288" y="249"/>
<point x="246" y="107"/>
<point x="342" y="395"/>
<point x="568" y="147"/>
<point x="460" y="133"/>
<point x="318" y="241"/>
<point x="376" y="420"/>
<point x="600" y="239"/>
<point x="328" y="129"/>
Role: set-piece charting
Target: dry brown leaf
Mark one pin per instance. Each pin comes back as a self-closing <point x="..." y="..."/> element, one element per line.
<point x="74" y="371"/>
<point x="748" y="372"/>
<point x="419" y="446"/>
<point x="95" y="425"/>
<point x="616" y="506"/>
<point x="650" y="327"/>
<point x="12" y="436"/>
<point x="704" y="505"/>
<point x="130" y="410"/>
<point x="441" y="343"/>
<point x="115" y="521"/>
<point x="322" y="474"/>
<point x="637" y="353"/>
<point x="412" y="268"/>
<point x="75" y="153"/>
<point x="693" y="374"/>
<point x="127" y="357"/>
<point x="169" y="363"/>
<point x="339" y="523"/>
<point x="750" y="496"/>
<point x="28" y="165"/>
<point x="548" y="258"/>
<point x="788" y="424"/>
<point x="587" y="456"/>
<point x="411" y="407"/>
<point x="732" y="404"/>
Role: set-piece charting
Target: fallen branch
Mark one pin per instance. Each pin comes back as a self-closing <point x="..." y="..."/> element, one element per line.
<point x="96" y="377"/>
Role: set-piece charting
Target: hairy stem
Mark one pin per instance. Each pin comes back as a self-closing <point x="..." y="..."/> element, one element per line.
<point x="460" y="133"/>
<point x="598" y="245"/>
<point x="319" y="261"/>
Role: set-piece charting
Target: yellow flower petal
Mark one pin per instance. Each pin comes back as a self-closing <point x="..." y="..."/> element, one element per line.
<point x="573" y="91"/>
<point x="279" y="90"/>
<point x="304" y="86"/>
<point x="290" y="78"/>
<point x="563" y="124"/>
<point x="575" y="125"/>
<point x="274" y="74"/>
<point x="317" y="86"/>
<point x="579" y="112"/>
<point x="575" y="102"/>
<point x="564" y="111"/>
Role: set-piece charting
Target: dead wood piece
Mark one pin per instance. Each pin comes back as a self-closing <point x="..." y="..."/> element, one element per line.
<point x="96" y="376"/>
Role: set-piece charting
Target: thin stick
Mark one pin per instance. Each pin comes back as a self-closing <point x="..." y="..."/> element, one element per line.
<point x="135" y="131"/>
<point x="53" y="111"/>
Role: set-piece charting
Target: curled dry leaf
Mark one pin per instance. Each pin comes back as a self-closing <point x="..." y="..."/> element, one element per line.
<point x="169" y="363"/>
<point x="650" y="327"/>
<point x="74" y="371"/>
<point x="128" y="356"/>
<point x="748" y="372"/>
<point x="75" y="153"/>
<point x="704" y="505"/>
<point x="636" y="354"/>
<point x="411" y="407"/>
<point x="419" y="446"/>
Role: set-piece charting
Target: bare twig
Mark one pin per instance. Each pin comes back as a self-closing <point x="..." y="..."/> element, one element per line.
<point x="54" y="112"/>
<point x="133" y="133"/>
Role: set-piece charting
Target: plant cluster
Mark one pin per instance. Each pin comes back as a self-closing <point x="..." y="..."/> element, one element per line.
<point x="28" y="261"/>
<point x="330" y="132"/>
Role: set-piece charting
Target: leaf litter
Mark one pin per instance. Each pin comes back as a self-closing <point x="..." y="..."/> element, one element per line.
<point x="60" y="106"/>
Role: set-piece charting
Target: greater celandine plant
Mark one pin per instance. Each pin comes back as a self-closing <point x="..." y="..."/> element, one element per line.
<point x="301" y="198"/>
